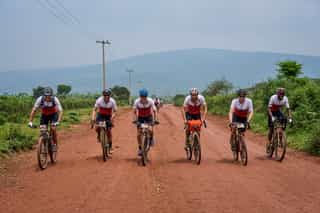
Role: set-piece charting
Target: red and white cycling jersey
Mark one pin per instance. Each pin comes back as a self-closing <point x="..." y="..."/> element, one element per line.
<point x="275" y="104"/>
<point x="144" y="109"/>
<point x="194" y="107"/>
<point x="105" y="108"/>
<point x="242" y="109"/>
<point x="48" y="107"/>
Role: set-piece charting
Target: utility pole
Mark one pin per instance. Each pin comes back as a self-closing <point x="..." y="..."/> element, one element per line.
<point x="129" y="71"/>
<point x="103" y="62"/>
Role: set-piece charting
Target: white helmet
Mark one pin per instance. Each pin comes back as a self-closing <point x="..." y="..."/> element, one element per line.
<point x="193" y="91"/>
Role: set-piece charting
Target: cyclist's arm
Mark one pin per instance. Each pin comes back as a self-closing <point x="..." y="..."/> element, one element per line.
<point x="231" y="114"/>
<point x="35" y="108"/>
<point x="60" y="110"/>
<point x="93" y="114"/>
<point x="204" y="111"/>
<point x="250" y="116"/>
<point x="288" y="108"/>
<point x="33" y="112"/>
<point x="250" y="111"/>
<point x="114" y="111"/>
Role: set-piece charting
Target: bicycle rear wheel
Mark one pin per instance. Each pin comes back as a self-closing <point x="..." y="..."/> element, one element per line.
<point x="243" y="153"/>
<point x="197" y="148"/>
<point x="42" y="153"/>
<point x="281" y="147"/>
<point x="103" y="144"/>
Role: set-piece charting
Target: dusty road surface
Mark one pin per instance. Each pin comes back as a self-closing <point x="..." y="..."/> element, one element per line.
<point x="82" y="182"/>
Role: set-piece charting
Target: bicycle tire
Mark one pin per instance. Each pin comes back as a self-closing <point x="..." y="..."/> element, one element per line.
<point x="282" y="143"/>
<point x="144" y="151"/>
<point x="197" y="149"/>
<point x="103" y="144"/>
<point x="243" y="153"/>
<point x="42" y="153"/>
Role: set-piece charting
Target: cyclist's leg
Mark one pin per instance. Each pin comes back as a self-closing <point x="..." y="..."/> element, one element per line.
<point x="53" y="119"/>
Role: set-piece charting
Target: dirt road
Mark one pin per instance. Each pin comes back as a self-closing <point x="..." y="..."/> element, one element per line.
<point x="82" y="182"/>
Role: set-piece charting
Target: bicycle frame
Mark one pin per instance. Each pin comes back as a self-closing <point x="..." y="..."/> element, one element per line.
<point x="237" y="134"/>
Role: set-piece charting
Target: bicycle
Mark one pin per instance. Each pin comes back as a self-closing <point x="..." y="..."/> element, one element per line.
<point x="278" y="142"/>
<point x="194" y="146"/>
<point x="145" y="138"/>
<point x="104" y="128"/>
<point x="238" y="143"/>
<point x="45" y="146"/>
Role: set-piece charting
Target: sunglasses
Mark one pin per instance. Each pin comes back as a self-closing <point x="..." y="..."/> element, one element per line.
<point x="242" y="96"/>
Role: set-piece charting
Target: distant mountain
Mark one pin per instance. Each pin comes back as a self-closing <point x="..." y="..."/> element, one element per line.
<point x="164" y="73"/>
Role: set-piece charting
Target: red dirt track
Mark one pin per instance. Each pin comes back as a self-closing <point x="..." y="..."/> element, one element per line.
<point x="82" y="182"/>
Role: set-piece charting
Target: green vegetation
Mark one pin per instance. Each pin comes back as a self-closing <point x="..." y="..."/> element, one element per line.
<point x="178" y="99"/>
<point x="304" y="99"/>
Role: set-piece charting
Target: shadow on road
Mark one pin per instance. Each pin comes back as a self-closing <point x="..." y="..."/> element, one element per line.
<point x="226" y="161"/>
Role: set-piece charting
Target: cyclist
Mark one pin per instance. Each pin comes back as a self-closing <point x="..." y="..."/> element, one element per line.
<point x="241" y="111"/>
<point x="157" y="103"/>
<point x="51" y="111"/>
<point x="276" y="102"/>
<point x="194" y="108"/>
<point x="144" y="112"/>
<point x="104" y="110"/>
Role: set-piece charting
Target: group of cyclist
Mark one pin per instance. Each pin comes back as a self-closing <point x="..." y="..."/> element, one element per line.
<point x="145" y="110"/>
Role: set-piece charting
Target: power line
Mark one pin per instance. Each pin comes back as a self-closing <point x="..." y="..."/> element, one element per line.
<point x="56" y="11"/>
<point x="67" y="11"/>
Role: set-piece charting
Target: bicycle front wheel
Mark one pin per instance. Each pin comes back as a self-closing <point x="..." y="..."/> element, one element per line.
<point x="103" y="144"/>
<point x="144" y="156"/>
<point x="42" y="153"/>
<point x="281" y="147"/>
<point x="197" y="148"/>
<point x="243" y="153"/>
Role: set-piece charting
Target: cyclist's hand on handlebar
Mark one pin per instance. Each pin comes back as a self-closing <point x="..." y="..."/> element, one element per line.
<point x="273" y="118"/>
<point x="156" y="122"/>
<point x="248" y="125"/>
<point x="30" y="124"/>
<point x="56" y="123"/>
<point x="290" y="120"/>
<point x="135" y="122"/>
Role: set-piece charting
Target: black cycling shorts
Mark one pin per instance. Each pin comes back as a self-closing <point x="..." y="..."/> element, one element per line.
<point x="279" y="115"/>
<point x="45" y="119"/>
<point x="193" y="116"/>
<point x="148" y="119"/>
<point x="100" y="117"/>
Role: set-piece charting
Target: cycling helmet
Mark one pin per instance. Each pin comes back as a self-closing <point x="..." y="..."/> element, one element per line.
<point x="143" y="92"/>
<point x="242" y="92"/>
<point x="281" y="91"/>
<point x="47" y="91"/>
<point x="194" y="91"/>
<point x="106" y="92"/>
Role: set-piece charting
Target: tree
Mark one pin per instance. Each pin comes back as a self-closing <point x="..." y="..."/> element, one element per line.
<point x="289" y="69"/>
<point x="38" y="91"/>
<point x="63" y="89"/>
<point x="120" y="92"/>
<point x="218" y="87"/>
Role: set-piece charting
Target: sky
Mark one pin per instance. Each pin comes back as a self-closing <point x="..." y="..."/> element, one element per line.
<point x="39" y="34"/>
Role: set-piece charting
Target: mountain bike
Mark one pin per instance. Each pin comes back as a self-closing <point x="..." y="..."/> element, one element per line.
<point x="145" y="138"/>
<point x="278" y="142"/>
<point x="194" y="146"/>
<point x="238" y="143"/>
<point x="104" y="128"/>
<point x="46" y="146"/>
